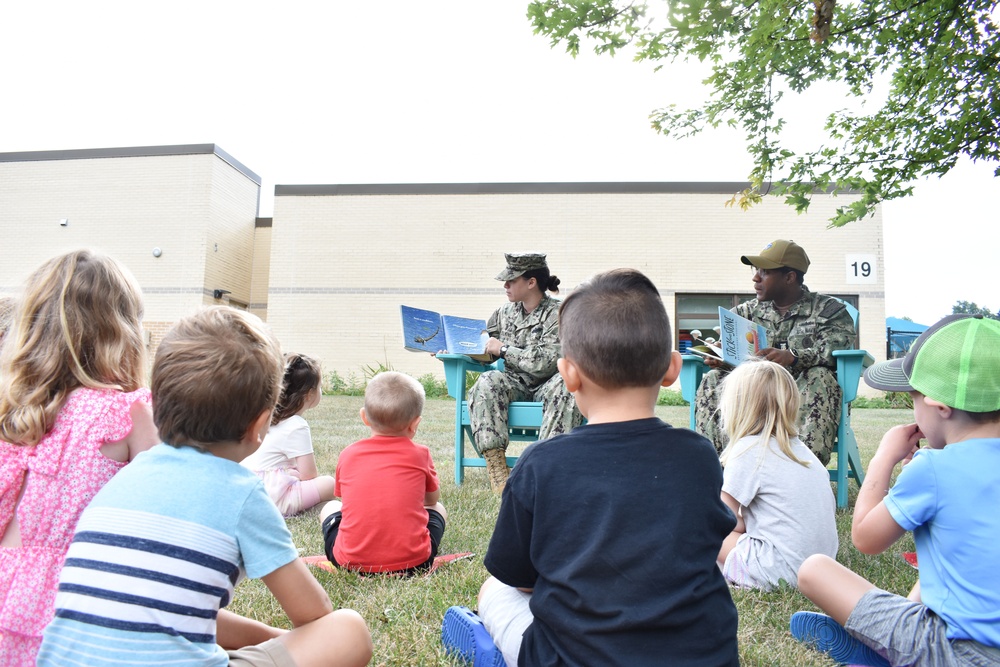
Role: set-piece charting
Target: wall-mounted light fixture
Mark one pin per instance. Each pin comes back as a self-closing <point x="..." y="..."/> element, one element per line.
<point x="218" y="293"/>
<point x="64" y="222"/>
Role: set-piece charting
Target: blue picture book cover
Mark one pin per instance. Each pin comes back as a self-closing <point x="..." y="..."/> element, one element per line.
<point x="739" y="338"/>
<point x="429" y="331"/>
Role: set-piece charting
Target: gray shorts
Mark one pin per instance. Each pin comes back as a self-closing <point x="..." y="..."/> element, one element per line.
<point x="271" y="653"/>
<point x="754" y="563"/>
<point x="908" y="633"/>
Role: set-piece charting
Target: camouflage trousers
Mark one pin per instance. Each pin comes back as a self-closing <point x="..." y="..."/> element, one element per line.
<point x="495" y="390"/>
<point x="819" y="414"/>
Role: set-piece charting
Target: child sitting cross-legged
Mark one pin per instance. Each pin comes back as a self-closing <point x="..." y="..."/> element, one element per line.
<point x="947" y="494"/>
<point x="158" y="552"/>
<point x="774" y="484"/>
<point x="604" y="551"/>
<point x="389" y="518"/>
<point x="285" y="460"/>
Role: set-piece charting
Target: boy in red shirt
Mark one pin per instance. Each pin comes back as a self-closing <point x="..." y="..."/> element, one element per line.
<point x="388" y="518"/>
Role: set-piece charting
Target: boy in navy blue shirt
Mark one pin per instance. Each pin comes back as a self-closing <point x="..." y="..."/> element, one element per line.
<point x="604" y="550"/>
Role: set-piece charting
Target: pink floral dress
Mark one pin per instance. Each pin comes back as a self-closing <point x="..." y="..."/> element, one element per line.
<point x="58" y="477"/>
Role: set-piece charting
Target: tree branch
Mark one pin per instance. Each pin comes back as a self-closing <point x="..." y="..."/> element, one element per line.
<point x="608" y="18"/>
<point x="865" y="24"/>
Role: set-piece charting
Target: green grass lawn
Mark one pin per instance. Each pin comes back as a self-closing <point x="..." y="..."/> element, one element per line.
<point x="405" y="614"/>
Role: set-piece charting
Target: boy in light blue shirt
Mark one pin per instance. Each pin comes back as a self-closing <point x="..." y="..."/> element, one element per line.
<point x="947" y="495"/>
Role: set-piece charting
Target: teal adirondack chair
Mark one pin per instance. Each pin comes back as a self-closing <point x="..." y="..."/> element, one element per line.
<point x="524" y="418"/>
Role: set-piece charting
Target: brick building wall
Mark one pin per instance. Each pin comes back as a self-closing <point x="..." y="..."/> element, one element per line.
<point x="181" y="218"/>
<point x="229" y="232"/>
<point x="261" y="267"/>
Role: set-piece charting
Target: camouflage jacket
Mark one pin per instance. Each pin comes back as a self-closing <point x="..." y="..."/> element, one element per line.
<point x="533" y="339"/>
<point x="813" y="328"/>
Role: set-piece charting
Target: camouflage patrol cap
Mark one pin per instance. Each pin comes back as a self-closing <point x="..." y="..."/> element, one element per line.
<point x="778" y="254"/>
<point x="520" y="263"/>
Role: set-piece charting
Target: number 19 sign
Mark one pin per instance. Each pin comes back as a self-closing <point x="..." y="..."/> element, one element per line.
<point x="862" y="269"/>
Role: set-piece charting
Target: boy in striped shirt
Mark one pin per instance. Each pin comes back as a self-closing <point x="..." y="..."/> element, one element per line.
<point x="158" y="553"/>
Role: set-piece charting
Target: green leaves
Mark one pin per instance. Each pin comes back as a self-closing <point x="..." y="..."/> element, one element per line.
<point x="938" y="60"/>
<point x="611" y="28"/>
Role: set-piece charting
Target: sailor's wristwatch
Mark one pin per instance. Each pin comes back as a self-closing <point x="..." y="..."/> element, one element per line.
<point x="503" y="351"/>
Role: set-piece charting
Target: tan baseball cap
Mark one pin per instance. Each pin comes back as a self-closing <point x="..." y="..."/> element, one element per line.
<point x="778" y="254"/>
<point x="519" y="264"/>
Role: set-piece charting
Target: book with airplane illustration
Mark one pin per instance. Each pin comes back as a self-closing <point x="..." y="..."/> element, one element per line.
<point x="429" y="331"/>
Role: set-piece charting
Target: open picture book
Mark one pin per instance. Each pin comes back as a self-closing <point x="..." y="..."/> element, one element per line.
<point x="739" y="338"/>
<point x="428" y="331"/>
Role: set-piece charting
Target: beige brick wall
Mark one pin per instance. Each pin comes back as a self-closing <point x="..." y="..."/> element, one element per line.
<point x="125" y="205"/>
<point x="229" y="233"/>
<point x="122" y="206"/>
<point x="155" y="331"/>
<point x="342" y="265"/>
<point x="261" y="268"/>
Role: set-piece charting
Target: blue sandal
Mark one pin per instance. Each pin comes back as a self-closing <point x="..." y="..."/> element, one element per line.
<point x="463" y="634"/>
<point x="828" y="636"/>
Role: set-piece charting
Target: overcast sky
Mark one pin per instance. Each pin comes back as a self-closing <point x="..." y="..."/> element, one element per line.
<point x="439" y="91"/>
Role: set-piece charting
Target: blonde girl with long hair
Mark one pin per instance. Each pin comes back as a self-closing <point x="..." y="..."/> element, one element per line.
<point x="776" y="487"/>
<point x="73" y="411"/>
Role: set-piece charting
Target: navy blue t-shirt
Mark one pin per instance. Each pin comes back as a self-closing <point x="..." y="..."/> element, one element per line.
<point x="617" y="528"/>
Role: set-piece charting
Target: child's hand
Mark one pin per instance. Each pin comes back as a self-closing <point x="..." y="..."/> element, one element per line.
<point x="900" y="443"/>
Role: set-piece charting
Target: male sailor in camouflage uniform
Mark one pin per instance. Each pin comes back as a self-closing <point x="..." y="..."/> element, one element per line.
<point x="525" y="334"/>
<point x="803" y="330"/>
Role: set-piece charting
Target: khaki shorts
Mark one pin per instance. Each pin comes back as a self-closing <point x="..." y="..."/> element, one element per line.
<point x="271" y="653"/>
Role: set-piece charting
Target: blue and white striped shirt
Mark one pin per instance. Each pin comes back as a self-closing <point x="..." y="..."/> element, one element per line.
<point x="156" y="555"/>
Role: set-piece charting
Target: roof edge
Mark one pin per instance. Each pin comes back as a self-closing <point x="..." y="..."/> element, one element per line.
<point x="632" y="187"/>
<point x="507" y="188"/>
<point x="131" y="151"/>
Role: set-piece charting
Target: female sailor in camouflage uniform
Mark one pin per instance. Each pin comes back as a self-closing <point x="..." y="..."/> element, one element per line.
<point x="525" y="334"/>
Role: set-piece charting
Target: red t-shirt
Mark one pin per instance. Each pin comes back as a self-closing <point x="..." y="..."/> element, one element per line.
<point x="382" y="482"/>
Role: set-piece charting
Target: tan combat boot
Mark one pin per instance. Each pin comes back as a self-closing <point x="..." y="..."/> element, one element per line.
<point x="496" y="468"/>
